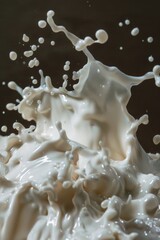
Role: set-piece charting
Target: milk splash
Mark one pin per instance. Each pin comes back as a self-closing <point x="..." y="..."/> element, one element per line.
<point x="80" y="173"/>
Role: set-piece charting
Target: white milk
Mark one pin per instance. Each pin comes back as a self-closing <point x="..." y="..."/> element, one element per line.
<point x="80" y="173"/>
<point x="13" y="55"/>
<point x="25" y="38"/>
<point x="135" y="31"/>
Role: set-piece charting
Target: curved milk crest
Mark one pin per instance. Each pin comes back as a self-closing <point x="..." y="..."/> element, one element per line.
<point x="80" y="173"/>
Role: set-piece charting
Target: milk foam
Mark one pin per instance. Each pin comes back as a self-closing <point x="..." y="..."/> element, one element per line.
<point x="80" y="172"/>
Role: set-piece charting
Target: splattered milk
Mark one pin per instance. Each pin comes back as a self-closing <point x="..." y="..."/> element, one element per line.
<point x="80" y="172"/>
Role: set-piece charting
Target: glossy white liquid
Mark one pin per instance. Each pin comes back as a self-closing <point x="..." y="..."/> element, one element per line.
<point x="80" y="173"/>
<point x="135" y="31"/>
<point x="13" y="55"/>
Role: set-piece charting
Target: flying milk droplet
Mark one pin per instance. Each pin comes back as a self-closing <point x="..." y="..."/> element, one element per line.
<point x="34" y="47"/>
<point x="41" y="40"/>
<point x="151" y="58"/>
<point x="127" y="21"/>
<point x="13" y="55"/>
<point x="150" y="39"/>
<point x="28" y="53"/>
<point x="102" y="36"/>
<point x="42" y="24"/>
<point x="25" y="38"/>
<point x="4" y="128"/>
<point x="120" y="24"/>
<point x="156" y="139"/>
<point x="52" y="43"/>
<point x="135" y="31"/>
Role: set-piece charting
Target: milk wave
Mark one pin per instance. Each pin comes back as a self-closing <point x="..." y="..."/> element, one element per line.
<point x="80" y="173"/>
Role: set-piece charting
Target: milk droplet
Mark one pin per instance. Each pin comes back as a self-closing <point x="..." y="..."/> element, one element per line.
<point x="67" y="66"/>
<point x="34" y="47"/>
<point x="34" y="81"/>
<point x="41" y="40"/>
<point x="3" y="83"/>
<point x="14" y="86"/>
<point x="33" y="63"/>
<point x="65" y="77"/>
<point x="52" y="43"/>
<point x="10" y="106"/>
<point x="25" y="38"/>
<point x="127" y="21"/>
<point x="42" y="24"/>
<point x="120" y="24"/>
<point x="121" y="48"/>
<point x="4" y="128"/>
<point x="102" y="36"/>
<point x="28" y="53"/>
<point x="13" y="55"/>
<point x="156" y="139"/>
<point x="36" y="62"/>
<point x="150" y="39"/>
<point x="135" y="31"/>
<point x="50" y="13"/>
<point x="151" y="58"/>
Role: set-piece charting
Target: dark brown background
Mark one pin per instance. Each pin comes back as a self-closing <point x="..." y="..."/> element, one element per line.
<point x="84" y="18"/>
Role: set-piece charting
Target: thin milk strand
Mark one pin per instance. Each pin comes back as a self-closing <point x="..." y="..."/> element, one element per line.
<point x="74" y="39"/>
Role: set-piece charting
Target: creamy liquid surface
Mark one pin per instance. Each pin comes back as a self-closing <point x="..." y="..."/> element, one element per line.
<point x="80" y="173"/>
